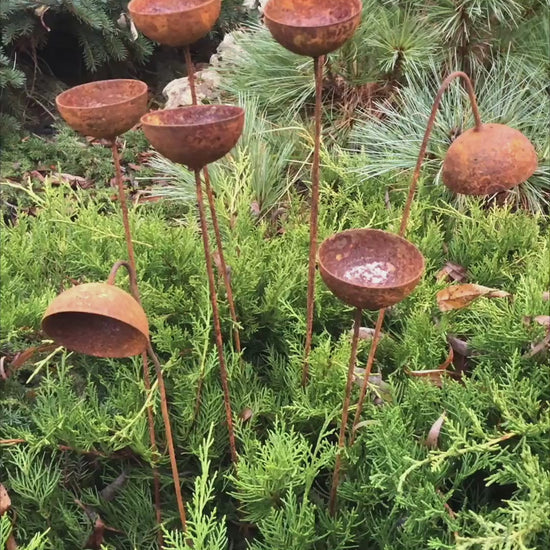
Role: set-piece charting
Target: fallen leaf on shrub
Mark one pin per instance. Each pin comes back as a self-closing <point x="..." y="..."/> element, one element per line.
<point x="546" y="296"/>
<point x="435" y="375"/>
<point x="543" y="320"/>
<point x="5" y="501"/>
<point x="380" y="388"/>
<point x="366" y="333"/>
<point x="432" y="441"/>
<point x="246" y="414"/>
<point x="109" y="493"/>
<point x="453" y="272"/>
<point x="21" y="358"/>
<point x="543" y="345"/>
<point x="96" y="538"/>
<point x="460" y="296"/>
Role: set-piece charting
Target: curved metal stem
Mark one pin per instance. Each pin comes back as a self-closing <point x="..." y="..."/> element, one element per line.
<point x="427" y="134"/>
<point x="313" y="223"/>
<point x="345" y="412"/>
<point x="190" y="74"/>
<point x="216" y="315"/>
<point x="406" y="214"/>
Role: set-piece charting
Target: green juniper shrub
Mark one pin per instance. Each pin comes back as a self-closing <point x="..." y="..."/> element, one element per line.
<point x="84" y="420"/>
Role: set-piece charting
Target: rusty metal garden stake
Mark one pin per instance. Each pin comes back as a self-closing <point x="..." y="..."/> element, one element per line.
<point x="313" y="28"/>
<point x="105" y="109"/>
<point x="195" y="136"/>
<point x="486" y="159"/>
<point x="314" y="216"/>
<point x="214" y="215"/>
<point x="216" y="315"/>
<point x="345" y="410"/>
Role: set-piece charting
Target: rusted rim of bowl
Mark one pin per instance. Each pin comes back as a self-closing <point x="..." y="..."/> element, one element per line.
<point x="169" y="11"/>
<point x="151" y="118"/>
<point x="394" y="237"/>
<point x="312" y="26"/>
<point x="75" y="90"/>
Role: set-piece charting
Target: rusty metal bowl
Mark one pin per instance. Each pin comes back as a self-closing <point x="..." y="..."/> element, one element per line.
<point x="312" y="27"/>
<point x="174" y="22"/>
<point x="97" y="319"/>
<point x="196" y="135"/>
<point x="103" y="109"/>
<point x="369" y="268"/>
<point x="492" y="159"/>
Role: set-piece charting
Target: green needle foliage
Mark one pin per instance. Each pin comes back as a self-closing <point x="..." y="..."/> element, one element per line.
<point x="507" y="93"/>
<point x="84" y="420"/>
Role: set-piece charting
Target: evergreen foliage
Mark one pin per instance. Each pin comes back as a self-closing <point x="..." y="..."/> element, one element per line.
<point x="84" y="419"/>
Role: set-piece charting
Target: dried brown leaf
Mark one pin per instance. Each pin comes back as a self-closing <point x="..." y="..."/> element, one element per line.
<point x="452" y="272"/>
<point x="5" y="501"/>
<point x="460" y="296"/>
<point x="432" y="441"/>
<point x="109" y="493"/>
<point x="246" y="414"/>
<point x="543" y="320"/>
<point x="95" y="540"/>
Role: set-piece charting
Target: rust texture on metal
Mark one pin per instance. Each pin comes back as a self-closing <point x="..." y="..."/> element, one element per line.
<point x="312" y="27"/>
<point x="223" y="265"/>
<point x="488" y="160"/>
<point x="370" y="268"/>
<point x="217" y="323"/>
<point x="314" y="215"/>
<point x="345" y="411"/>
<point x="97" y="319"/>
<point x="103" y="109"/>
<point x="196" y="135"/>
<point x="174" y="22"/>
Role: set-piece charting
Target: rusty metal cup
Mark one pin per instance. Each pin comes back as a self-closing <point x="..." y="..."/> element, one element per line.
<point x="174" y="22"/>
<point x="312" y="27"/>
<point x="369" y="268"/>
<point x="97" y="319"/>
<point x="488" y="160"/>
<point x="196" y="135"/>
<point x="103" y="109"/>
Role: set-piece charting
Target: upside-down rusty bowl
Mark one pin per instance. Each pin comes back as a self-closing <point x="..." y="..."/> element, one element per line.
<point x="195" y="135"/>
<point x="103" y="109"/>
<point x="492" y="159"/>
<point x="174" y="22"/>
<point x="312" y="27"/>
<point x="369" y="268"/>
<point x="97" y="319"/>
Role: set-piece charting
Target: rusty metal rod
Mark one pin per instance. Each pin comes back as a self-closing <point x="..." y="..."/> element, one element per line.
<point x="345" y="412"/>
<point x="135" y="292"/>
<point x="223" y="265"/>
<point x="162" y="390"/>
<point x="408" y="205"/>
<point x="214" y="216"/>
<point x="216" y="315"/>
<point x="429" y="128"/>
<point x="403" y="227"/>
<point x="313" y="222"/>
<point x="368" y="369"/>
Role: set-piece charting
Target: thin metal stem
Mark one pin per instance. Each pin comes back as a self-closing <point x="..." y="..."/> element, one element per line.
<point x="216" y="315"/>
<point x="313" y="223"/>
<point x="345" y="411"/>
<point x="429" y="128"/>
<point x="169" y="438"/>
<point x="407" y="211"/>
<point x="223" y="265"/>
<point x="213" y="214"/>
<point x="145" y="364"/>
<point x="368" y="369"/>
<point x="190" y="74"/>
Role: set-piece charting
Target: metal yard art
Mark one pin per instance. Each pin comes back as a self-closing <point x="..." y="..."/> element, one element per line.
<point x="374" y="269"/>
<point x="313" y="28"/>
<point x="364" y="268"/>
<point x="180" y="23"/>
